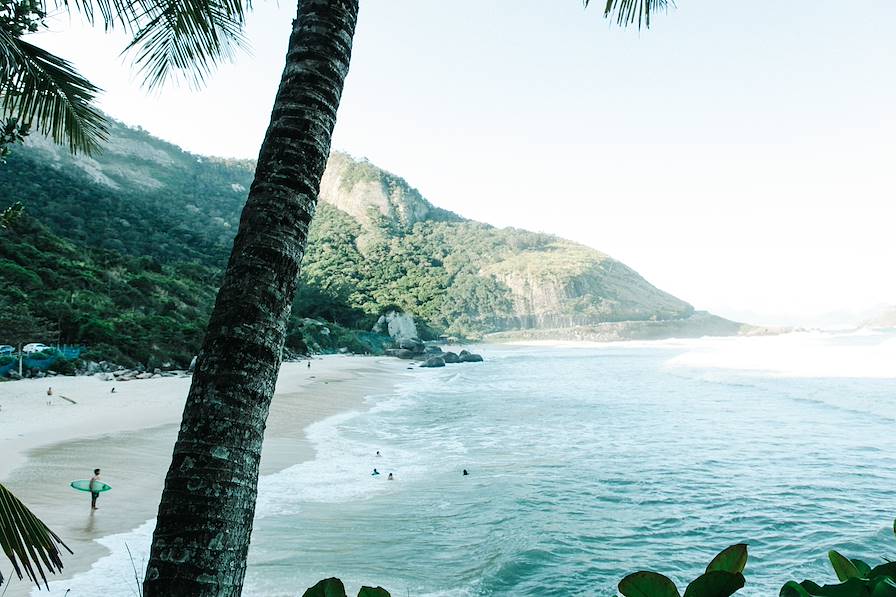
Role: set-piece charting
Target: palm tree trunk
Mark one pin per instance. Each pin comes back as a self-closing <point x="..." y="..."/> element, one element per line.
<point x="205" y="517"/>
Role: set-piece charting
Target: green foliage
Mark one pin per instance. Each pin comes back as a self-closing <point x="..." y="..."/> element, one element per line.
<point x="333" y="587"/>
<point x="119" y="306"/>
<point x="723" y="577"/>
<point x="857" y="579"/>
<point x="28" y="543"/>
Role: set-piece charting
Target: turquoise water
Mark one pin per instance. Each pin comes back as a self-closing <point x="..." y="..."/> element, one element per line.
<point x="589" y="463"/>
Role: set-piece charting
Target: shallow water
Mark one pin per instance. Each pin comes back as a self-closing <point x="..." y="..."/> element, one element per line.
<point x="589" y="463"/>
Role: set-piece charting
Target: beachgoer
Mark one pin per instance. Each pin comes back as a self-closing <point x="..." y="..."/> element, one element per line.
<point x="309" y="363"/>
<point x="391" y="478"/>
<point x="94" y="494"/>
<point x="49" y="391"/>
<point x="375" y="472"/>
<point x="466" y="473"/>
<point x="113" y="390"/>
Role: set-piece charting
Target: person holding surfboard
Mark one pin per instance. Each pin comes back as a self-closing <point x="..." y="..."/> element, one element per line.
<point x="94" y="488"/>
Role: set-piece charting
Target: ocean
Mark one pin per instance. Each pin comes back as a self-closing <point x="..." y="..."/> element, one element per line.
<point x="586" y="463"/>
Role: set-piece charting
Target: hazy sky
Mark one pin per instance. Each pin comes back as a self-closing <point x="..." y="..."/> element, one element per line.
<point x="738" y="154"/>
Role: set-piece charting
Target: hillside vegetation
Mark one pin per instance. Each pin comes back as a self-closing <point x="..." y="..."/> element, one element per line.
<point x="123" y="251"/>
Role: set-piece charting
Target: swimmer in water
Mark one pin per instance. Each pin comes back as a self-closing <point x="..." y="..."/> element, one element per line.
<point x="391" y="478"/>
<point x="375" y="472"/>
<point x="466" y="473"/>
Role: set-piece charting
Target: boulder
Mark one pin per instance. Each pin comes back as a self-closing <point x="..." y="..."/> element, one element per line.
<point x="397" y="325"/>
<point x="432" y="349"/>
<point x="144" y="375"/>
<point x="401" y="353"/>
<point x="412" y="344"/>
<point x="470" y="357"/>
<point x="450" y="357"/>
<point x="433" y="362"/>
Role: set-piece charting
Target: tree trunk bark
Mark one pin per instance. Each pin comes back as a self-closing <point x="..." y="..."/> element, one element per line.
<point x="205" y="516"/>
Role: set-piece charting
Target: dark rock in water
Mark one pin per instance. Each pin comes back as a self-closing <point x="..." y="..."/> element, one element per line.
<point x="450" y="357"/>
<point x="401" y="353"/>
<point x="463" y="352"/>
<point x="433" y="362"/>
<point x="412" y="344"/>
<point x="432" y="349"/>
<point x="470" y="357"/>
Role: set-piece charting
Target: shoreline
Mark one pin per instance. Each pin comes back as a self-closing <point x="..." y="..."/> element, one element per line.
<point x="44" y="447"/>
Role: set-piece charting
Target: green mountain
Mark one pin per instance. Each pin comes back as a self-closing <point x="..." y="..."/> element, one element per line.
<point x="124" y="250"/>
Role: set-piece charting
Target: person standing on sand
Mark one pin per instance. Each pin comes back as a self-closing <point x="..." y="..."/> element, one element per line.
<point x="94" y="494"/>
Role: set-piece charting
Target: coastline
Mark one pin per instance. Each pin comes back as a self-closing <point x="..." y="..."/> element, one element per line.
<point x="130" y="435"/>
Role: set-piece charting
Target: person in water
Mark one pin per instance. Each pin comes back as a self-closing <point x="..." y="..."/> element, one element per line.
<point x="391" y="478"/>
<point x="466" y="473"/>
<point x="94" y="482"/>
<point x="375" y="472"/>
<point x="378" y="453"/>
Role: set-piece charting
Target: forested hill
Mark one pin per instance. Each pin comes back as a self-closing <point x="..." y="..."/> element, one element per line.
<point x="376" y="243"/>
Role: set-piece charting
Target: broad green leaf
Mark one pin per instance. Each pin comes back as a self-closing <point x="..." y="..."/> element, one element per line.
<point x="843" y="566"/>
<point x="854" y="587"/>
<point x="884" y="586"/>
<point x="863" y="568"/>
<point x="793" y="589"/>
<point x="731" y="559"/>
<point x="329" y="587"/>
<point x="373" y="592"/>
<point x="888" y="569"/>
<point x="717" y="583"/>
<point x="647" y="584"/>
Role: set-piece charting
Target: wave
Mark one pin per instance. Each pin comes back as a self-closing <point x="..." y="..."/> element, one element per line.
<point x="809" y="354"/>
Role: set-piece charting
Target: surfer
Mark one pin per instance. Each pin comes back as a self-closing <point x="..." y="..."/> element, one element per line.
<point x="391" y="478"/>
<point x="94" y="494"/>
<point x="375" y="472"/>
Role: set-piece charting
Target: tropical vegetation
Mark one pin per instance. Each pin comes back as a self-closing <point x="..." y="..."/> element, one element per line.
<point x="27" y="542"/>
<point x="724" y="577"/>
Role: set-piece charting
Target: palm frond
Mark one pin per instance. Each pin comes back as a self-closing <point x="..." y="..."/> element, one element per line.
<point x="27" y="541"/>
<point x="47" y="92"/>
<point x="109" y="12"/>
<point x="186" y="37"/>
<point x="626" y="12"/>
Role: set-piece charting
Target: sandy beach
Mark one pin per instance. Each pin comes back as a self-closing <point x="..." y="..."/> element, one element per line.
<point x="129" y="434"/>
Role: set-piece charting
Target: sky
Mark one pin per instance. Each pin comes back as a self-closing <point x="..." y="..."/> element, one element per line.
<point x="739" y="155"/>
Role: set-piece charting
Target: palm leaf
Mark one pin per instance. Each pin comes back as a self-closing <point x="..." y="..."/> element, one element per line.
<point x="27" y="541"/>
<point x="110" y="12"/>
<point x="186" y="37"/>
<point x="172" y="37"/>
<point x="43" y="90"/>
<point x="626" y="12"/>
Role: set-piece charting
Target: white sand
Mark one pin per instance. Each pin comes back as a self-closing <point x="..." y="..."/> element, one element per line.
<point x="130" y="435"/>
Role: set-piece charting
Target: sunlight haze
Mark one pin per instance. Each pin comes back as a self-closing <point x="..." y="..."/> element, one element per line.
<point x="737" y="155"/>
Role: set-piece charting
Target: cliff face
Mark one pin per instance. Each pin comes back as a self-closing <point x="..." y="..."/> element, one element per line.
<point x="550" y="283"/>
<point x="362" y="190"/>
<point x="376" y="243"/>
